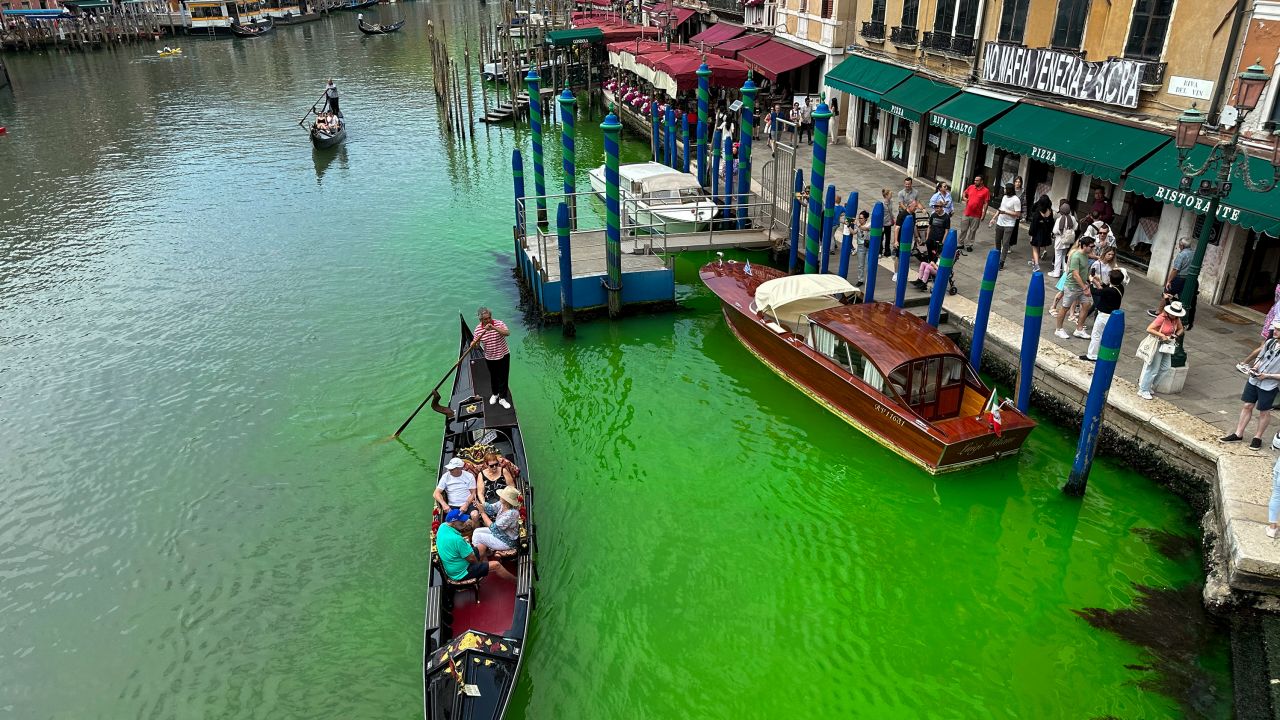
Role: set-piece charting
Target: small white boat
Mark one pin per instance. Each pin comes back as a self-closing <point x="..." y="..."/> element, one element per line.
<point x="653" y="194"/>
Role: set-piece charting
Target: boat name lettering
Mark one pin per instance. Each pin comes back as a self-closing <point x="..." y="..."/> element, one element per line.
<point x="890" y="414"/>
<point x="988" y="443"/>
<point x="1195" y="202"/>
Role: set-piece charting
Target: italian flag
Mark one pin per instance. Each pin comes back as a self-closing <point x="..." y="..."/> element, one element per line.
<point x="991" y="411"/>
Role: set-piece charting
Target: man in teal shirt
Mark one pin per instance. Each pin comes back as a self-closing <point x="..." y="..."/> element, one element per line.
<point x="456" y="554"/>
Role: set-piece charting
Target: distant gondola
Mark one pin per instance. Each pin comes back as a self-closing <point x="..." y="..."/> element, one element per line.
<point x="353" y="5"/>
<point x="368" y="29"/>
<point x="324" y="137"/>
<point x="248" y="31"/>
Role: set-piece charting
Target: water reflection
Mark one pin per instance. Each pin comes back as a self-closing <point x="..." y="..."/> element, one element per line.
<point x="324" y="157"/>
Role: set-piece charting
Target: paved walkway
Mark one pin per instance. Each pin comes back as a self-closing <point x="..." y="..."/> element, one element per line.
<point x="1219" y="340"/>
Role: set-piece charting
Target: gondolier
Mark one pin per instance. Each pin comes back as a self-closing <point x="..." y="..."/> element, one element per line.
<point x="331" y="98"/>
<point x="497" y="356"/>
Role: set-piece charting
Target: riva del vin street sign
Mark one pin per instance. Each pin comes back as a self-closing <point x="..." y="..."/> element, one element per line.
<point x="1114" y="82"/>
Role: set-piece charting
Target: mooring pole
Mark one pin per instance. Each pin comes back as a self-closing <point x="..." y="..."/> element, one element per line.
<point x="817" y="179"/>
<point x="684" y="136"/>
<point x="943" y="277"/>
<point x="704" y="106"/>
<point x="904" y="259"/>
<point x="1031" y="321"/>
<point x="568" y="163"/>
<point x="517" y="174"/>
<point x="846" y="248"/>
<point x="613" y="226"/>
<point x="715" y="166"/>
<point x="653" y="125"/>
<point x="566" y="270"/>
<point x="747" y="121"/>
<point x="728" y="175"/>
<point x="535" y="124"/>
<point x="828" y="221"/>
<point x="671" y="136"/>
<point x="793" y="256"/>
<point x="986" y="293"/>
<point x="1091" y="424"/>
<point x="874" y="239"/>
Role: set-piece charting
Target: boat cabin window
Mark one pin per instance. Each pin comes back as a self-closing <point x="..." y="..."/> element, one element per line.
<point x="932" y="386"/>
<point x="845" y="355"/>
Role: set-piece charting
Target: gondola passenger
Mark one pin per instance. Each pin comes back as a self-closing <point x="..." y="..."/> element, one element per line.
<point x="493" y="474"/>
<point x="502" y="524"/>
<point x="457" y="557"/>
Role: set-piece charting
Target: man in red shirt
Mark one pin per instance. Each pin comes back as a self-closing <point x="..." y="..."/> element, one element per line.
<point x="492" y="335"/>
<point x="975" y="198"/>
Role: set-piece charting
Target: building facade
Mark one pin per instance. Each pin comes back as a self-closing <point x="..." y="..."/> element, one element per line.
<point x="1073" y="97"/>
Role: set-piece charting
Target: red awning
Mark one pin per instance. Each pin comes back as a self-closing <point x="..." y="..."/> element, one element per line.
<point x="613" y="29"/>
<point x="717" y="33"/>
<point x="683" y="67"/>
<point x="772" y="58"/>
<point x="643" y="47"/>
<point x="731" y="48"/>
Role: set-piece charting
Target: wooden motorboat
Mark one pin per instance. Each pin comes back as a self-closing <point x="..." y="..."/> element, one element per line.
<point x="291" y="19"/>
<point x="253" y="30"/>
<point x="334" y="133"/>
<point x="879" y="367"/>
<point x="368" y="29"/>
<point x="473" y="645"/>
<point x="659" y="198"/>
<point x="357" y="4"/>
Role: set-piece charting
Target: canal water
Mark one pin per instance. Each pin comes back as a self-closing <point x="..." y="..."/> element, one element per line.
<point x="206" y="329"/>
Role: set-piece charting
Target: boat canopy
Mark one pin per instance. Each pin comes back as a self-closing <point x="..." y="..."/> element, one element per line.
<point x="670" y="181"/>
<point x="773" y="294"/>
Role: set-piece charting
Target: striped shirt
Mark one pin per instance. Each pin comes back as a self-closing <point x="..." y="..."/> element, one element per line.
<point x="495" y="344"/>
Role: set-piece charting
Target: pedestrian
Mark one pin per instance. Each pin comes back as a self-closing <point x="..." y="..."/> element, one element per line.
<point x="1040" y="230"/>
<point x="1064" y="236"/>
<point x="1177" y="273"/>
<point x="492" y="335"/>
<point x="863" y="233"/>
<point x="1104" y="239"/>
<point x="1156" y="349"/>
<point x="1006" y="222"/>
<point x="1106" y="300"/>
<point x="886" y="240"/>
<point x="1076" y="289"/>
<point x="806" y="120"/>
<point x="795" y="123"/>
<point x="1259" y="390"/>
<point x="331" y="98"/>
<point x="942" y="192"/>
<point x="771" y="124"/>
<point x="975" y="197"/>
<point x="1273" y="506"/>
<point x="1100" y="208"/>
<point x="1271" y="315"/>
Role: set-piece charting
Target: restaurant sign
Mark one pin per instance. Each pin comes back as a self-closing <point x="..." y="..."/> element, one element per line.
<point x="1114" y="82"/>
<point x="1196" y="203"/>
<point x="953" y="125"/>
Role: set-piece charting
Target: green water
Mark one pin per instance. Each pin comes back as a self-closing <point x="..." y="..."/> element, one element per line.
<point x="205" y="328"/>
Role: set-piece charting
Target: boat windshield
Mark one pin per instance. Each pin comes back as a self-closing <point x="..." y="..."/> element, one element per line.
<point x="677" y="195"/>
<point x="931" y="386"/>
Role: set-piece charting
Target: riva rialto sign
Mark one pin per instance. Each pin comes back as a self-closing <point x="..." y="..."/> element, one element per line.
<point x="1114" y="82"/>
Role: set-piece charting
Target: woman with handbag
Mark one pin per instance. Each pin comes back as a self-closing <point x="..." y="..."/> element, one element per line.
<point x="1156" y="349"/>
<point x="1263" y="369"/>
<point x="1064" y="236"/>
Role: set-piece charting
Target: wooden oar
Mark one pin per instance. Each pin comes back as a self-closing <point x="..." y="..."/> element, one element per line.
<point x="313" y="109"/>
<point x="461" y="357"/>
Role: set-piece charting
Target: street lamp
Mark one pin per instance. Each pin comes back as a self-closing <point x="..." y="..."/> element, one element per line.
<point x="1222" y="160"/>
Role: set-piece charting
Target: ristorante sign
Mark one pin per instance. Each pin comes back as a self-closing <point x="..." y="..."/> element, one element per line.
<point x="1114" y="82"/>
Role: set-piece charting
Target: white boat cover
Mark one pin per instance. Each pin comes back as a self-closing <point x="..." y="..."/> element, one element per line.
<point x="773" y="294"/>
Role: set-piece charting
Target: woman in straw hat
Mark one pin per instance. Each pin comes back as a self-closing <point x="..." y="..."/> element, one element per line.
<point x="502" y="523"/>
<point x="1157" y="348"/>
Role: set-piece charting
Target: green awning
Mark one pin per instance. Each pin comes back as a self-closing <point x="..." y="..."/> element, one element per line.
<point x="866" y="78"/>
<point x="1159" y="177"/>
<point x="1086" y="145"/>
<point x="576" y="36"/>
<point x="967" y="113"/>
<point x="916" y="96"/>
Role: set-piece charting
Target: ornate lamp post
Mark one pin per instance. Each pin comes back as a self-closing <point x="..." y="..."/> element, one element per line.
<point x="1223" y="159"/>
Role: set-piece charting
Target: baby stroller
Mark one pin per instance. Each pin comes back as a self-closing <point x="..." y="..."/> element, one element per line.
<point x="927" y="254"/>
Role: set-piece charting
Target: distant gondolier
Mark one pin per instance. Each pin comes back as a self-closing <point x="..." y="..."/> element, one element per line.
<point x="492" y="335"/>
<point x="331" y="98"/>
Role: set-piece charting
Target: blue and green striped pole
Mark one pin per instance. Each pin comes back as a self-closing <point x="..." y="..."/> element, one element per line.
<point x="1032" y="319"/>
<point x="748" y="119"/>
<point x="535" y="124"/>
<point x="568" y="163"/>
<point x="874" y="241"/>
<point x="671" y="136"/>
<point x="728" y="176"/>
<point x="684" y="135"/>
<point x="517" y="174"/>
<point x="566" y="270"/>
<point x="653" y="124"/>
<point x="904" y="258"/>
<point x="828" y="221"/>
<point x="1091" y="424"/>
<point x="704" y="107"/>
<point x="613" y="224"/>
<point x="986" y="293"/>
<point x="943" y="278"/>
<point x="817" y="179"/>
<point x="794" y="254"/>
<point x="715" y="165"/>
<point x="846" y="248"/>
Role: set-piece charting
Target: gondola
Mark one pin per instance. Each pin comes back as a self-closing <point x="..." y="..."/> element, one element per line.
<point x="473" y="645"/>
<point x="248" y="31"/>
<point x="352" y="5"/>
<point x="328" y="138"/>
<point x="368" y="29"/>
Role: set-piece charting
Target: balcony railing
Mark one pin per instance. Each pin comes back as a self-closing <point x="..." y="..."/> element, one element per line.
<point x="873" y="31"/>
<point x="948" y="43"/>
<point x="904" y="36"/>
